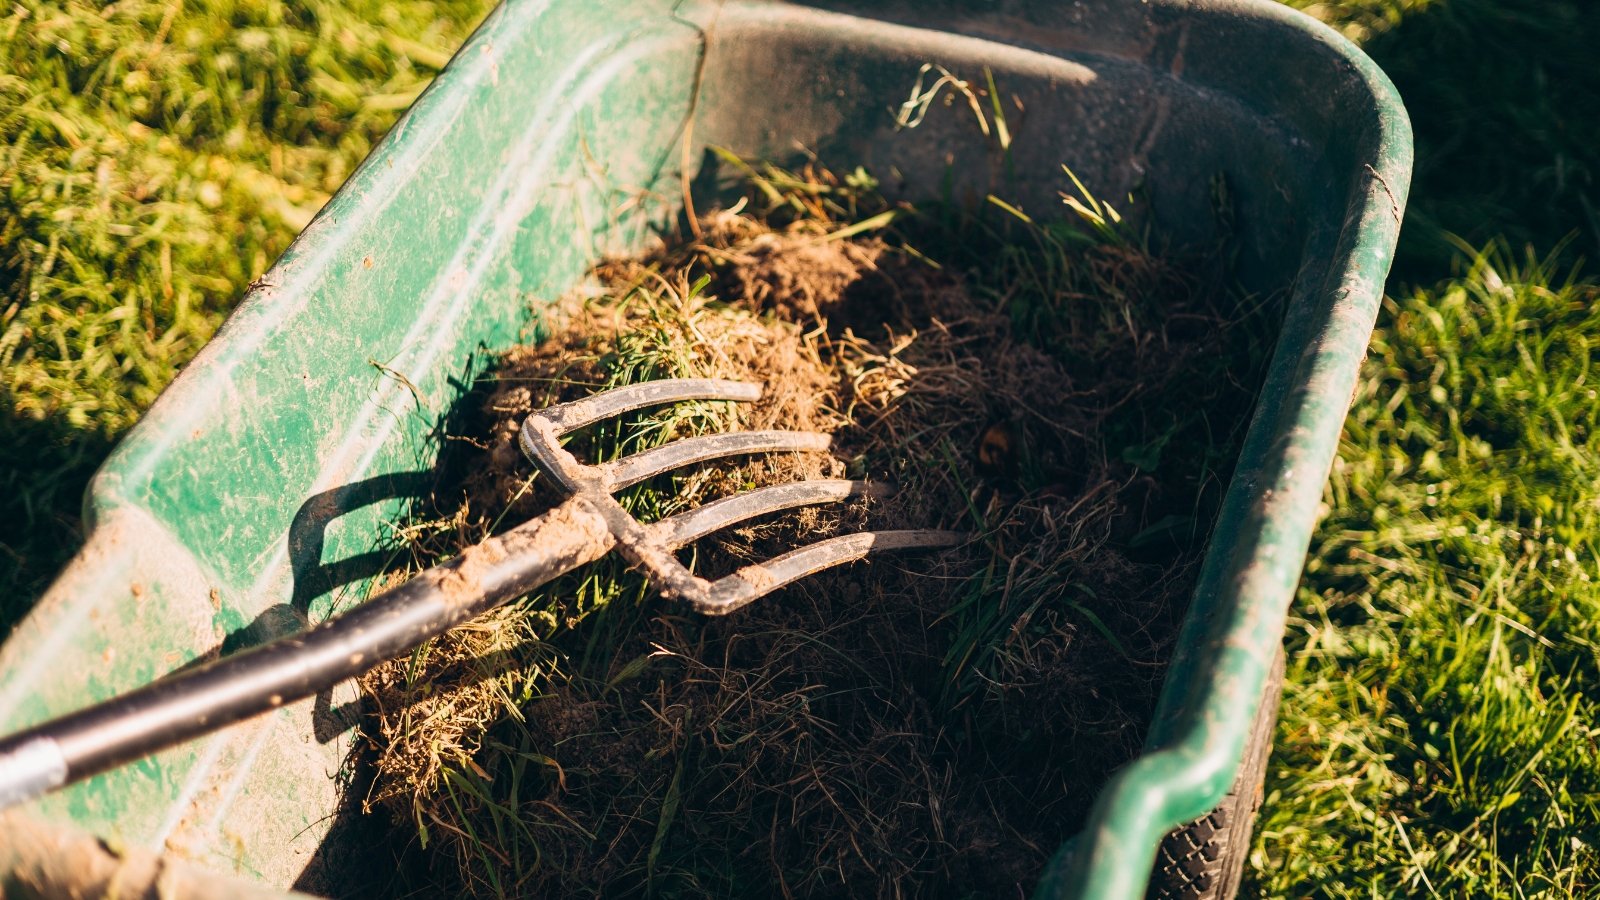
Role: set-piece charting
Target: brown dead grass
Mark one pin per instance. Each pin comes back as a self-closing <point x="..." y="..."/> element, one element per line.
<point x="918" y="725"/>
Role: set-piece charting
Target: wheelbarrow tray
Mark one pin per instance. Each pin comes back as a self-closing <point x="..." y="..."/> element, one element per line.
<point x="258" y="492"/>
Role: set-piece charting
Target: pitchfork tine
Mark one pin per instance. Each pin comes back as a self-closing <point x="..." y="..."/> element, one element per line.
<point x="757" y="580"/>
<point x="630" y="470"/>
<point x="687" y="527"/>
<point x="571" y="416"/>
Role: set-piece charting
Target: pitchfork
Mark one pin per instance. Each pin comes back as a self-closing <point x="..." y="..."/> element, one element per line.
<point x="584" y="528"/>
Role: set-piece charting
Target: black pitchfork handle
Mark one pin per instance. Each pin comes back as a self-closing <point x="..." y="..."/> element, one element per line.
<point x="194" y="703"/>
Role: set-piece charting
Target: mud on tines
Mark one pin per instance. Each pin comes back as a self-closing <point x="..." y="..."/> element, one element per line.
<point x="938" y="722"/>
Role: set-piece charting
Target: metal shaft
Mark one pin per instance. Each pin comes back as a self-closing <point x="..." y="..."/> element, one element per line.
<point x="203" y="700"/>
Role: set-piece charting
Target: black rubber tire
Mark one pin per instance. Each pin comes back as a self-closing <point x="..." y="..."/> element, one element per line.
<point x="1205" y="859"/>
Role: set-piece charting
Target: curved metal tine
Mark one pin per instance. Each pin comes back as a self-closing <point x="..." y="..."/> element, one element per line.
<point x="571" y="416"/>
<point x="755" y="581"/>
<point x="687" y="527"/>
<point x="541" y="429"/>
<point x="630" y="470"/>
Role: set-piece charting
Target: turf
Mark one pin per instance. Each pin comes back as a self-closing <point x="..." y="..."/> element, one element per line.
<point x="1437" y="734"/>
<point x="1501" y="95"/>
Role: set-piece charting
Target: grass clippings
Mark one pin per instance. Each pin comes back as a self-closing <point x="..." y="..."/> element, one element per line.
<point x="938" y="722"/>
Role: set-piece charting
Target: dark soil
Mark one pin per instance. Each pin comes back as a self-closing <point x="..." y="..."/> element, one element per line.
<point x="928" y="724"/>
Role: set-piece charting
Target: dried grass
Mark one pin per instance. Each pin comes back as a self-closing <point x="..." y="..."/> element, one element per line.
<point x="912" y="725"/>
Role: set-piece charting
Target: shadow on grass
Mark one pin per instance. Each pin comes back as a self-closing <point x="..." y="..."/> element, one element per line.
<point x="1502" y="97"/>
<point x="45" y="465"/>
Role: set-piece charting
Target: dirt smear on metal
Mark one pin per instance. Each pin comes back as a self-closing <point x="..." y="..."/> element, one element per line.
<point x="915" y="724"/>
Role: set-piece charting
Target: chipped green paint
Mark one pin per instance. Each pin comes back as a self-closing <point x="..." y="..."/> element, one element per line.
<point x="255" y="495"/>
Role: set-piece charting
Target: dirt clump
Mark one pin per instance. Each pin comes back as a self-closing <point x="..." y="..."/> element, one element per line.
<point x="926" y="724"/>
<point x="800" y="276"/>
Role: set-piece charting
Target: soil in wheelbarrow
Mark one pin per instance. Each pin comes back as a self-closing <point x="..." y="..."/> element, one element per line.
<point x="926" y="724"/>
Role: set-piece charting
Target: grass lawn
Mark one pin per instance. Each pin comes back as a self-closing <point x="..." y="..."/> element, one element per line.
<point x="1439" y="730"/>
<point x="1438" y="733"/>
<point x="158" y="156"/>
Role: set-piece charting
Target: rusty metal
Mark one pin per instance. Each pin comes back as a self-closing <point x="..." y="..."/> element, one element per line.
<point x="650" y="547"/>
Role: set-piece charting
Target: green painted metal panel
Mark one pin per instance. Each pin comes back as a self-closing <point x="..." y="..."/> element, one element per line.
<point x="257" y="494"/>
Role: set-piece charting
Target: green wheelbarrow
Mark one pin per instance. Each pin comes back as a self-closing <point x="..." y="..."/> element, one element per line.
<point x="256" y="495"/>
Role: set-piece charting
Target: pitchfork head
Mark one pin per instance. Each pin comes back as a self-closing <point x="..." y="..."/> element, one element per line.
<point x="651" y="547"/>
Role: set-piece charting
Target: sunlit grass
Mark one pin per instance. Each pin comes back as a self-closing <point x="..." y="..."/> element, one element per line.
<point x="1360" y="20"/>
<point x="157" y="156"/>
<point x="1438" y="729"/>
